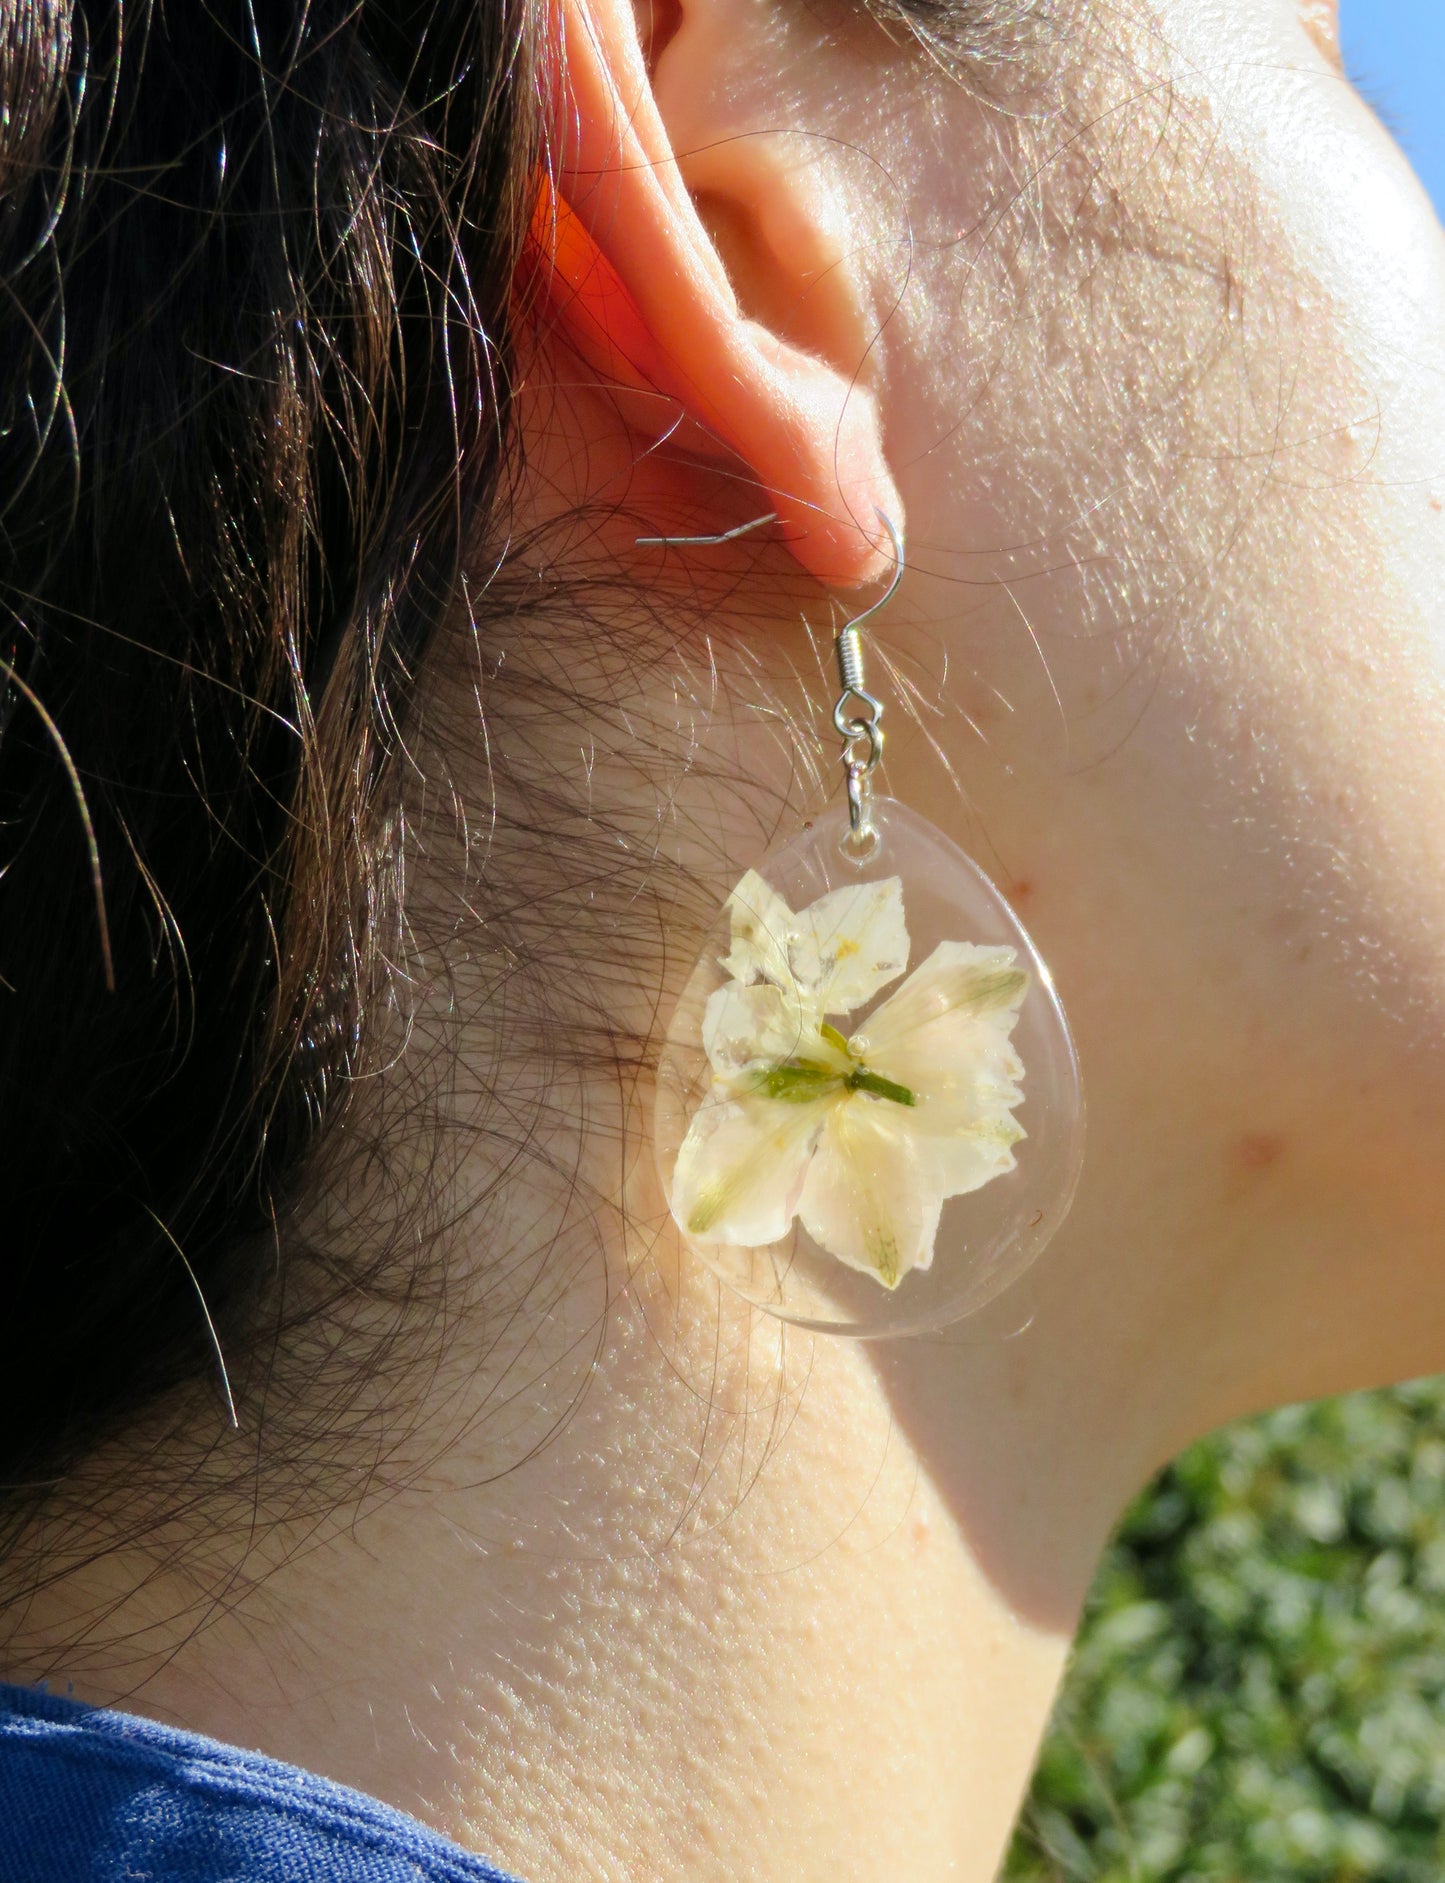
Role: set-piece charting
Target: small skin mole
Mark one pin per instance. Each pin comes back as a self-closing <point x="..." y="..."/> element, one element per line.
<point x="1021" y="890"/>
<point x="1258" y="1150"/>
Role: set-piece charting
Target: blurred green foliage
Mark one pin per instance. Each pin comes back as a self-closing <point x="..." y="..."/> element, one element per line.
<point x="1258" y="1691"/>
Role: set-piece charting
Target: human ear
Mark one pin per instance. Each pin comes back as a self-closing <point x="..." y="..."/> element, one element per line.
<point x="644" y="285"/>
<point x="1321" y="20"/>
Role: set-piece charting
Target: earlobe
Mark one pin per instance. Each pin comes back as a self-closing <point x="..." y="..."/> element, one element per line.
<point x="642" y="289"/>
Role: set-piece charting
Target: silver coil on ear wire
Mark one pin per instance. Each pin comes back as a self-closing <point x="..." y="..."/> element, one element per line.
<point x="855" y="701"/>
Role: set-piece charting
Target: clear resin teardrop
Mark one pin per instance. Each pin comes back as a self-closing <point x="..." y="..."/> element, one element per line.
<point x="869" y="1116"/>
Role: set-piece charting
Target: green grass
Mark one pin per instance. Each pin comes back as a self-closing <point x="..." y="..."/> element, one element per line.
<point x="1258" y="1691"/>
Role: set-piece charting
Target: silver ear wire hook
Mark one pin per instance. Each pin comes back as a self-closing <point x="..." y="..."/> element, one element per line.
<point x="855" y="700"/>
<point x="706" y="542"/>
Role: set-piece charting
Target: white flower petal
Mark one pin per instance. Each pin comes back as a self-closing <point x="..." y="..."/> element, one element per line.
<point x="742" y="1166"/>
<point x="958" y="978"/>
<point x="973" y="1156"/>
<point x="742" y="1026"/>
<point x="761" y="925"/>
<point x="945" y="1033"/>
<point x="944" y="1036"/>
<point x="963" y="1075"/>
<point x="850" y="944"/>
<point x="871" y="1195"/>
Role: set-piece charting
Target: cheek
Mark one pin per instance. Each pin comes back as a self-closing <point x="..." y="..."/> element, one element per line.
<point x="1177" y="560"/>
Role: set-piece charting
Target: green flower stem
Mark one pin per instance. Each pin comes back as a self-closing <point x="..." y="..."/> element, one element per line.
<point x="805" y="1081"/>
<point x="862" y="1080"/>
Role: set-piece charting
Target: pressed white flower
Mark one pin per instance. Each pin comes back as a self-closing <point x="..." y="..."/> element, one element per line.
<point x="862" y="1136"/>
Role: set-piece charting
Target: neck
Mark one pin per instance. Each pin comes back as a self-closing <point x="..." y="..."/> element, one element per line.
<point x="765" y="1605"/>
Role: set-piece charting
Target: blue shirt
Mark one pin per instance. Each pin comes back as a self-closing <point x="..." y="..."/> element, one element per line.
<point x="88" y="1796"/>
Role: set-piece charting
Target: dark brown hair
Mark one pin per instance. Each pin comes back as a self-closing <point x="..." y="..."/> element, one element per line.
<point x="256" y="274"/>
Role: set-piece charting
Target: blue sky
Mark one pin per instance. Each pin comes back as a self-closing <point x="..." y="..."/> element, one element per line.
<point x="1395" y="50"/>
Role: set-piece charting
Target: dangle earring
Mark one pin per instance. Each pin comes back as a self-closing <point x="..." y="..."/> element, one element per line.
<point x="869" y="1118"/>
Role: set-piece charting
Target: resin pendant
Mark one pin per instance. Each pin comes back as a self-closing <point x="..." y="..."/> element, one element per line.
<point x="869" y="1117"/>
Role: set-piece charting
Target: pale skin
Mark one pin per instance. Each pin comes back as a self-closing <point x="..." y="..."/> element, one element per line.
<point x="1162" y="415"/>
